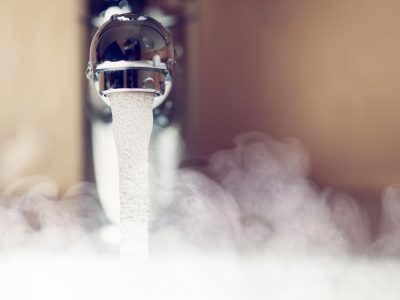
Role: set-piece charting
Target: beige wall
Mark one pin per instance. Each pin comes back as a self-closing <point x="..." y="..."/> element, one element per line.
<point x="40" y="83"/>
<point x="327" y="72"/>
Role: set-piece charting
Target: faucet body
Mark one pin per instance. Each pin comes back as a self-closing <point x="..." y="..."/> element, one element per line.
<point x="132" y="52"/>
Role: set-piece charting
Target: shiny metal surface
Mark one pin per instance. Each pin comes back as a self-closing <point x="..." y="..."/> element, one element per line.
<point x="132" y="52"/>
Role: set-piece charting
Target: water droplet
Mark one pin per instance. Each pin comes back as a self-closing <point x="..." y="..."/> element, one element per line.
<point x="148" y="83"/>
<point x="148" y="42"/>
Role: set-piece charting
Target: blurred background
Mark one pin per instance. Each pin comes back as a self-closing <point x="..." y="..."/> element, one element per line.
<point x="325" y="72"/>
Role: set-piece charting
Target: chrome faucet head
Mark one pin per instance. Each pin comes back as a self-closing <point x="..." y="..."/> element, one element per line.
<point x="131" y="52"/>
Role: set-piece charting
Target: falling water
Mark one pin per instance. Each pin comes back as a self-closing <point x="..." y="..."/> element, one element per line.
<point x="132" y="125"/>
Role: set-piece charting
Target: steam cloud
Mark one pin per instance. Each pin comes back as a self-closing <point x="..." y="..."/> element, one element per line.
<point x="256" y="197"/>
<point x="250" y="226"/>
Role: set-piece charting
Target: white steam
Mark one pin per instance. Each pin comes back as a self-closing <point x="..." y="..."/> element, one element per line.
<point x="34" y="216"/>
<point x="48" y="245"/>
<point x="251" y="226"/>
<point x="257" y="197"/>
